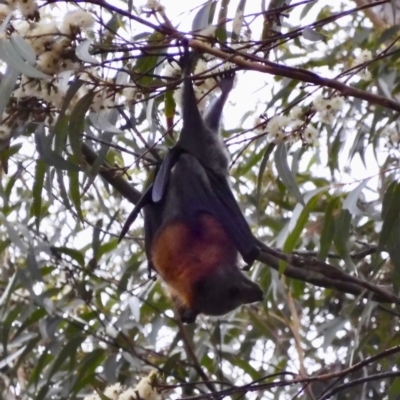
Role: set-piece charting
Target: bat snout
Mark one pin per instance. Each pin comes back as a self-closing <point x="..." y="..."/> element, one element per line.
<point x="252" y="293"/>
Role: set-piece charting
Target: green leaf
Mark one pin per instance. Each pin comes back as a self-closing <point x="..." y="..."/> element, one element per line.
<point x="299" y="219"/>
<point x="220" y="33"/>
<point x="204" y="16"/>
<point x="342" y="236"/>
<point x="96" y="238"/>
<point x="77" y="124"/>
<point x="238" y="20"/>
<point x="9" y="55"/>
<point x="285" y="173"/>
<point x="390" y="212"/>
<point x="74" y="192"/>
<point x="263" y="166"/>
<point x="7" y="85"/>
<point x="146" y="64"/>
<point x="312" y="35"/>
<point x="350" y="202"/>
<point x="73" y="253"/>
<point x="328" y="230"/>
<point x="307" y="8"/>
<point x="67" y="351"/>
<point x="170" y="105"/>
<point x="38" y="183"/>
<point x="392" y="244"/>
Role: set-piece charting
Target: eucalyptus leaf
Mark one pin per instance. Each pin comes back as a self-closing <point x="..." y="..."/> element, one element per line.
<point x="204" y="16"/>
<point x="82" y="52"/>
<point x="284" y="172"/>
<point x="9" y="55"/>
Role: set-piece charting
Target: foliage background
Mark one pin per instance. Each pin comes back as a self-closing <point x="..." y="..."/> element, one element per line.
<point x="79" y="311"/>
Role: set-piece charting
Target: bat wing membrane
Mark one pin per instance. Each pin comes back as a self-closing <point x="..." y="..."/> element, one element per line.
<point x="195" y="189"/>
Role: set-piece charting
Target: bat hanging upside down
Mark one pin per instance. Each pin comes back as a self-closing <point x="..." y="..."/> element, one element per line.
<point x="194" y="228"/>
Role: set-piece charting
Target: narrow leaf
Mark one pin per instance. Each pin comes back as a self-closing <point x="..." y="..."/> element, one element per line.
<point x="74" y="192"/>
<point x="82" y="52"/>
<point x="238" y="20"/>
<point x="77" y="124"/>
<point x="351" y="200"/>
<point x="285" y="173"/>
<point x="261" y="171"/>
<point x="311" y="35"/>
<point x="390" y="212"/>
<point x="36" y="207"/>
<point x="23" y="48"/>
<point x="7" y="86"/>
<point x="14" y="60"/>
<point x="73" y="253"/>
<point x="328" y="230"/>
<point x="204" y="16"/>
<point x="342" y="236"/>
<point x="299" y="220"/>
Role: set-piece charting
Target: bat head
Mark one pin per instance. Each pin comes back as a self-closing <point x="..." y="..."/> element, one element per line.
<point x="224" y="291"/>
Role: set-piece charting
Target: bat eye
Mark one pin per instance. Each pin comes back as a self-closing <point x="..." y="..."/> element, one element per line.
<point x="234" y="291"/>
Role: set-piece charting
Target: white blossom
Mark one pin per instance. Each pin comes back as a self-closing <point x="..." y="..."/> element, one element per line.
<point x="79" y="19"/>
<point x="282" y="128"/>
<point x="310" y="134"/>
<point x="48" y="62"/>
<point x="207" y="84"/>
<point x="295" y="112"/>
<point x="61" y="45"/>
<point x="92" y="396"/>
<point x="146" y="389"/>
<point x="132" y="94"/>
<point x="154" y="5"/>
<point x="69" y="65"/>
<point x="365" y="74"/>
<point x="22" y="27"/>
<point x="128" y="394"/>
<point x="327" y="108"/>
<point x="278" y="137"/>
<point x="277" y="124"/>
<point x="27" y="7"/>
<point x="201" y="67"/>
<point x="362" y="58"/>
<point x="42" y="36"/>
<point x="102" y="101"/>
<point x="295" y="123"/>
<point x="113" y="391"/>
<point x="4" y="11"/>
<point x="172" y="70"/>
<point x="336" y="103"/>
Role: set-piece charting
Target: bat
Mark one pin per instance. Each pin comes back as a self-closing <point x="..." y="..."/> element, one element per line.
<point x="194" y="228"/>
